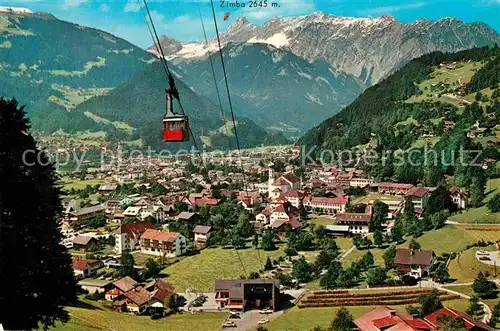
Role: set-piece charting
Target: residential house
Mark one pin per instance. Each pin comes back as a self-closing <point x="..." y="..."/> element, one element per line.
<point x="119" y="287"/>
<point x="201" y="234"/>
<point x="82" y="243"/>
<point x="469" y="322"/>
<point x="326" y="205"/>
<point x="414" y="262"/>
<point x="419" y="196"/>
<point x="243" y="294"/>
<point x="127" y="236"/>
<point x="83" y="268"/>
<point x="357" y="222"/>
<point x="107" y="189"/>
<point x="386" y="318"/>
<point x="132" y="211"/>
<point x="294" y="197"/>
<point x="86" y="213"/>
<point x="448" y="125"/>
<point x="459" y="198"/>
<point x="168" y="244"/>
<point x="394" y="188"/>
<point x="136" y="300"/>
<point x="160" y="291"/>
<point x="188" y="217"/>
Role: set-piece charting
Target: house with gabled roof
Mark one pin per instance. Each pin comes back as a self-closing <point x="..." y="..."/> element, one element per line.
<point x="414" y="262"/>
<point x="386" y="318"/>
<point x="469" y="322"/>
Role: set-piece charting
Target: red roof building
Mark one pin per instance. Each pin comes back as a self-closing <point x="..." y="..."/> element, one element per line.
<point x="469" y="322"/>
<point x="387" y="319"/>
<point x="327" y="205"/>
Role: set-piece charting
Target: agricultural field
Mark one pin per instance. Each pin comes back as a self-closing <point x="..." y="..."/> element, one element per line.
<point x="203" y="269"/>
<point x="345" y="298"/>
<point x="307" y="318"/>
<point x="449" y="76"/>
<point x="96" y="317"/>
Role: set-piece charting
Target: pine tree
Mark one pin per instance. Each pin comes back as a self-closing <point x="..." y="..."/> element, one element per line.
<point x="268" y="265"/>
<point x="34" y="267"/>
<point x="343" y="321"/>
<point x="477" y="192"/>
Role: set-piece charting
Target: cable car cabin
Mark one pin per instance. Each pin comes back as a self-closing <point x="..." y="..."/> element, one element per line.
<point x="175" y="128"/>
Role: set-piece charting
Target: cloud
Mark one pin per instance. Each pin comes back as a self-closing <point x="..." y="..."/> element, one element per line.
<point x="157" y="16"/>
<point x="377" y="11"/>
<point x="73" y="3"/>
<point x="104" y="8"/>
<point x="132" y="6"/>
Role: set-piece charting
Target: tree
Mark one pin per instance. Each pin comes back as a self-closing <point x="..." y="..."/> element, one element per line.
<point x="255" y="241"/>
<point x="376" y="276"/>
<point x="343" y="321"/>
<point x="96" y="222"/>
<point x="494" y="203"/>
<point x="127" y="264"/>
<point x="329" y="279"/>
<point x="244" y="227"/>
<point x="378" y="238"/>
<point x="474" y="309"/>
<point x="478" y="96"/>
<point x="39" y="273"/>
<point x="483" y="287"/>
<point x="268" y="265"/>
<point x="267" y="241"/>
<point x="175" y="301"/>
<point x="389" y="256"/>
<point x="367" y="260"/>
<point x="441" y="273"/>
<point x="477" y="188"/>
<point x="397" y="231"/>
<point x="356" y="240"/>
<point x="153" y="268"/>
<point x="429" y="303"/>
<point x="302" y="270"/>
<point x="448" y="323"/>
<point x="414" y="244"/>
<point x="495" y="315"/>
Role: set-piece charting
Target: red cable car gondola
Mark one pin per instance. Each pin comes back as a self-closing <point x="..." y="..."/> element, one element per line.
<point x="175" y="126"/>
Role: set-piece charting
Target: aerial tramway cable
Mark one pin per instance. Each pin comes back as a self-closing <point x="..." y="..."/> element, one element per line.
<point x="171" y="82"/>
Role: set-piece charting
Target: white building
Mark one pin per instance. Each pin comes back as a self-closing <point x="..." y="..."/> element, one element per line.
<point x="159" y="243"/>
<point x="327" y="205"/>
<point x="127" y="236"/>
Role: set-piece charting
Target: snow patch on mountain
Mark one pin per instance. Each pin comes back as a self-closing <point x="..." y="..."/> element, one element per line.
<point x="15" y="10"/>
<point x="278" y="40"/>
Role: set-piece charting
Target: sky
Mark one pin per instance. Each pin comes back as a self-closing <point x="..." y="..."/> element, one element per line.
<point x="180" y="19"/>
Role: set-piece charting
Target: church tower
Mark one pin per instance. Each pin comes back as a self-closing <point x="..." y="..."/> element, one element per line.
<point x="270" y="187"/>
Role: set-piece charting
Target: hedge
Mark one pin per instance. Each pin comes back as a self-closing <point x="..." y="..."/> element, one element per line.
<point x="388" y="302"/>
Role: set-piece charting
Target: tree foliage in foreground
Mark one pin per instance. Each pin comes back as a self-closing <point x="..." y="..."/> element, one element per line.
<point x="34" y="267"/>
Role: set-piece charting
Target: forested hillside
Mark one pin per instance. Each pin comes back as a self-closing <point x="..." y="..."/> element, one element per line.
<point x="140" y="102"/>
<point x="380" y="107"/>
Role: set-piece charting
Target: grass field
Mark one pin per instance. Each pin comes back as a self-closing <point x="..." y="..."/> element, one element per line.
<point x="448" y="239"/>
<point x="376" y="196"/>
<point x="200" y="271"/>
<point x="68" y="184"/>
<point x="423" y="141"/>
<point x="481" y="214"/>
<point x="465" y="267"/>
<point x="308" y="318"/>
<point x="83" y="319"/>
<point x="321" y="221"/>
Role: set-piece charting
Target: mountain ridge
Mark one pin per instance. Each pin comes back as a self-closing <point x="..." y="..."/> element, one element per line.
<point x="352" y="45"/>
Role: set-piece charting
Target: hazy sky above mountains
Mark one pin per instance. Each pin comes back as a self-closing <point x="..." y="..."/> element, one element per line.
<point x="180" y="18"/>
